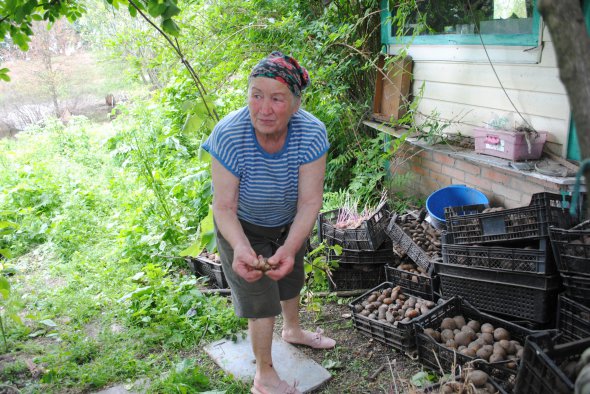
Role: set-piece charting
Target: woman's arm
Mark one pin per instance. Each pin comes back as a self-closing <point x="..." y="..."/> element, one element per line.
<point x="309" y="203"/>
<point x="225" y="208"/>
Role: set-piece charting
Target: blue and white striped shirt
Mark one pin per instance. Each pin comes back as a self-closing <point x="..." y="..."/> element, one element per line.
<point x="268" y="182"/>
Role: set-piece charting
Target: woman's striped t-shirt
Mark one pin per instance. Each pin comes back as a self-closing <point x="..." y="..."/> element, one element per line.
<point x="268" y="182"/>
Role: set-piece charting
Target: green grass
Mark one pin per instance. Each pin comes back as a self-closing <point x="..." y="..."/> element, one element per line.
<point x="97" y="310"/>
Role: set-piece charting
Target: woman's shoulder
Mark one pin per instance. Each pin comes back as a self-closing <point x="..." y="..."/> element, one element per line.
<point x="306" y="119"/>
<point x="239" y="118"/>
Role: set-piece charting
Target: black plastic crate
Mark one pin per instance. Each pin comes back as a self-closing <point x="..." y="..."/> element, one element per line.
<point x="536" y="304"/>
<point x="405" y="245"/>
<point x="424" y="286"/>
<point x="572" y="249"/>
<point x="538" y="260"/>
<point x="383" y="255"/>
<point x="577" y="287"/>
<point x="213" y="270"/>
<point x="436" y="356"/>
<point x="368" y="236"/>
<point x="400" y="336"/>
<point x="525" y="279"/>
<point x="356" y="276"/>
<point x="539" y="371"/>
<point x="573" y="319"/>
<point x="469" y="225"/>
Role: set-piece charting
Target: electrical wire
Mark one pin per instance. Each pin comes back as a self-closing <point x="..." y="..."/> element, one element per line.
<point x="494" y="68"/>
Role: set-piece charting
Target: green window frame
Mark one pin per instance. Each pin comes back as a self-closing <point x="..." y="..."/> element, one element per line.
<point x="525" y="40"/>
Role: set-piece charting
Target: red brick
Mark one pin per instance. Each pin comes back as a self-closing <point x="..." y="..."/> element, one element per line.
<point x="441" y="179"/>
<point x="443" y="159"/>
<point x="526" y="185"/>
<point x="508" y="204"/>
<point x="436" y="167"/>
<point x="495" y="175"/>
<point x="478" y="182"/>
<point x="507" y="193"/>
<point x="467" y="167"/>
<point x="421" y="171"/>
<point x="453" y="173"/>
<point x="426" y="154"/>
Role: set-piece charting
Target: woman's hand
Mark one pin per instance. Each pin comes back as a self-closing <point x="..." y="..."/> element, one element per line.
<point x="282" y="263"/>
<point x="245" y="261"/>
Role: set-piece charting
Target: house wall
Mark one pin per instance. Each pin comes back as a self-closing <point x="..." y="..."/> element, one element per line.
<point x="469" y="92"/>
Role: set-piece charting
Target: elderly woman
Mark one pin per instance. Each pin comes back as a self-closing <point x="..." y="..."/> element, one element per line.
<point x="268" y="164"/>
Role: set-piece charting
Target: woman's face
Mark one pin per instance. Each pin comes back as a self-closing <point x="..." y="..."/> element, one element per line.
<point x="271" y="105"/>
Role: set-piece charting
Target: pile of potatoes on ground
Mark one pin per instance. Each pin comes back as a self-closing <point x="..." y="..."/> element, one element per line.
<point x="392" y="306"/>
<point x="474" y="339"/>
<point x="473" y="381"/>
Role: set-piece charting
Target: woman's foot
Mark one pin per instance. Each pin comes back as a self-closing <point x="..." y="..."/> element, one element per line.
<point x="312" y="339"/>
<point x="281" y="387"/>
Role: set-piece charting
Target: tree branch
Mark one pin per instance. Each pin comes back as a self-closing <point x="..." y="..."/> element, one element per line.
<point x="176" y="47"/>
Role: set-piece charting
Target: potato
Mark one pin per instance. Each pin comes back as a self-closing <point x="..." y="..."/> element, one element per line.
<point x="358" y="308"/>
<point x="462" y="338"/>
<point x="412" y="313"/>
<point x="496" y="357"/>
<point x="459" y="321"/>
<point x="487" y="327"/>
<point x="501" y="333"/>
<point x="387" y="301"/>
<point x="477" y="377"/>
<point x="447" y="334"/>
<point x="448" y="323"/>
<point x="372" y="297"/>
<point x="433" y="334"/>
<point x="475" y="345"/>
<point x="469" y="352"/>
<point x="485" y="352"/>
<point x="508" y="346"/>
<point x="498" y="349"/>
<point x="488" y="338"/>
<point x="451" y="344"/>
<point x="474" y="324"/>
<point x="468" y="330"/>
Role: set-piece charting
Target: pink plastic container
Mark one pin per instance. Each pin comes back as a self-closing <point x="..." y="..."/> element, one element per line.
<point x="510" y="145"/>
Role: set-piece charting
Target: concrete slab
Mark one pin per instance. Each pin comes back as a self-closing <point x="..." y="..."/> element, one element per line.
<point x="237" y="359"/>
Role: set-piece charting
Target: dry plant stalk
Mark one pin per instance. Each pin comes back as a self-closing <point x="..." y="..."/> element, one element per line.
<point x="349" y="217"/>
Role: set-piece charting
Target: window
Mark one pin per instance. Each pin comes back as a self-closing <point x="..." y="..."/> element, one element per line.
<point x="501" y="23"/>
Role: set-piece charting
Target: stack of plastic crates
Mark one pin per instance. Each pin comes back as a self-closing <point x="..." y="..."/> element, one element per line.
<point x="502" y="261"/>
<point x="424" y="284"/>
<point x="572" y="254"/>
<point x="358" y="255"/>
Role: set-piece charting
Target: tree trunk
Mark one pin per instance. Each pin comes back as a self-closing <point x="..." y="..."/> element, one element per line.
<point x="565" y="21"/>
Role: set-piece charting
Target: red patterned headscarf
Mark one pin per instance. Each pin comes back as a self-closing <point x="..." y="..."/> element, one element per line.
<point x="284" y="69"/>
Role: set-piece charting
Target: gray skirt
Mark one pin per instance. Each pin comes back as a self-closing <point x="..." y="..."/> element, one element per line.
<point x="261" y="298"/>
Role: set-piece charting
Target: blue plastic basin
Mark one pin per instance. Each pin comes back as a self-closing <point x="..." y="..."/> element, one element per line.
<point x="452" y="196"/>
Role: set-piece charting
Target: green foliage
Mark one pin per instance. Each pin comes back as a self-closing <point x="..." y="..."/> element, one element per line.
<point x="176" y="310"/>
<point x="186" y="377"/>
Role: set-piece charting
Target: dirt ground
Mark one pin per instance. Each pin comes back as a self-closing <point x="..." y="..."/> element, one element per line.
<point x="358" y="363"/>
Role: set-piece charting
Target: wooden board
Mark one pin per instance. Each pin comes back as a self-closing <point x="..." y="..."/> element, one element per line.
<point x="392" y="89"/>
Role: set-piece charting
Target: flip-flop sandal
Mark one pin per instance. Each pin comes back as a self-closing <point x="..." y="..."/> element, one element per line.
<point x="282" y="388"/>
<point x="318" y="341"/>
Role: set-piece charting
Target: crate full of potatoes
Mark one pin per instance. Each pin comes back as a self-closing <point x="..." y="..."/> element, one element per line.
<point x="386" y="313"/>
<point x="208" y="265"/>
<point x="456" y="333"/>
